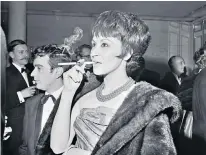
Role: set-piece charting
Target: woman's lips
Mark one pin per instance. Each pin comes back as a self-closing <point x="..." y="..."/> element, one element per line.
<point x="96" y="62"/>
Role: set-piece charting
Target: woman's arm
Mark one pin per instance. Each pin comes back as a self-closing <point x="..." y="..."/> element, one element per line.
<point x="62" y="129"/>
<point x="60" y="133"/>
<point x="158" y="138"/>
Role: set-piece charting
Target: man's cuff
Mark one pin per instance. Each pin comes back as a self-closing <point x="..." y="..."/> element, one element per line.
<point x="21" y="98"/>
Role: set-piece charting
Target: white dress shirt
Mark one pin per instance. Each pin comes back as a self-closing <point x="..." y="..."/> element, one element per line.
<point x="179" y="80"/>
<point x="24" y="74"/>
<point x="48" y="106"/>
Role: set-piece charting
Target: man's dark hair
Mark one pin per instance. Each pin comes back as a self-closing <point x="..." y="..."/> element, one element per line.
<point x="85" y="46"/>
<point x="14" y="43"/>
<point x="198" y="54"/>
<point x="56" y="55"/>
<point x="80" y="48"/>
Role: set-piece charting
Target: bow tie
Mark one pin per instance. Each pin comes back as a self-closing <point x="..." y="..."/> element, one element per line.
<point x="23" y="70"/>
<point x="46" y="97"/>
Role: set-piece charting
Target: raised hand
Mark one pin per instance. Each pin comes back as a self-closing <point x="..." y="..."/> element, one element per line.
<point x="73" y="77"/>
<point x="28" y="92"/>
<point x="7" y="130"/>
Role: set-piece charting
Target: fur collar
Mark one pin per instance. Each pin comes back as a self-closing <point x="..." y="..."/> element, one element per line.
<point x="139" y="108"/>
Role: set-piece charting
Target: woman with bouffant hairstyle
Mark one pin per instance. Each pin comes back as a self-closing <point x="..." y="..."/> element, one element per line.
<point x="120" y="116"/>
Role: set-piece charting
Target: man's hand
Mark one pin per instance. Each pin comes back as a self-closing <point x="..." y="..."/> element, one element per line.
<point x="7" y="130"/>
<point x="28" y="92"/>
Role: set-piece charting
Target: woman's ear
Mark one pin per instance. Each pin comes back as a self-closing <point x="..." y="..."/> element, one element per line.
<point x="128" y="55"/>
<point x="59" y="72"/>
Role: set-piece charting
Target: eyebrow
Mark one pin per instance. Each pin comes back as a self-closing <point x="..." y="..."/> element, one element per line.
<point x="37" y="65"/>
<point x="22" y="50"/>
<point x="104" y="40"/>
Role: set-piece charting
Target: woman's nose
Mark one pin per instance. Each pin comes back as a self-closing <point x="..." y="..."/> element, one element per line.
<point x="94" y="52"/>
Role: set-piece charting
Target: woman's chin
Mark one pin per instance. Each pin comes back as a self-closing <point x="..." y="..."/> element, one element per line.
<point x="98" y="72"/>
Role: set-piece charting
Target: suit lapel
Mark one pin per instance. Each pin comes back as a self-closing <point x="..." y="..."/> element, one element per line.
<point x="30" y="79"/>
<point x="43" y="138"/>
<point x="175" y="80"/>
<point x="38" y="120"/>
<point x="18" y="76"/>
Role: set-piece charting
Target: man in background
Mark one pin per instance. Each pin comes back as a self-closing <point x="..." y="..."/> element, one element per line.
<point x="83" y="52"/>
<point x="173" y="79"/>
<point x="186" y="97"/>
<point x="199" y="107"/>
<point x="40" y="109"/>
<point x="18" y="89"/>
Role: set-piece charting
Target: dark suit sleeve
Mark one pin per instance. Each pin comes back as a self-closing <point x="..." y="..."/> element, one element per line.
<point x="11" y="92"/>
<point x="199" y="105"/>
<point x="23" y="146"/>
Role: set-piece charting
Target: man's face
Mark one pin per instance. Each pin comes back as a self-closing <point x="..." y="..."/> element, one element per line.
<point x="85" y="54"/>
<point x="44" y="77"/>
<point x="20" y="55"/>
<point x="178" y="65"/>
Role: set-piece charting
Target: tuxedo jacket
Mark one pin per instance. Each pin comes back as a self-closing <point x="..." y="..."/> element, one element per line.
<point x="170" y="83"/>
<point x="14" y="83"/>
<point x="14" y="109"/>
<point x="34" y="143"/>
<point x="199" y="113"/>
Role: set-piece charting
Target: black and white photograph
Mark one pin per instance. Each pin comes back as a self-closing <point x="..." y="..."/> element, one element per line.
<point x="103" y="78"/>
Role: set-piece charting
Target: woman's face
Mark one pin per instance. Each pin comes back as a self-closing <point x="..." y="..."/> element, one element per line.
<point x="104" y="54"/>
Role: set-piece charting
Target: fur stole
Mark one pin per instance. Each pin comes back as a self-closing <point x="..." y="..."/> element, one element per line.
<point x="141" y="124"/>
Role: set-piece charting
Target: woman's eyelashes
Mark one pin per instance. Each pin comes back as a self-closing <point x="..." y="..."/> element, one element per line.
<point x="93" y="44"/>
<point x="104" y="45"/>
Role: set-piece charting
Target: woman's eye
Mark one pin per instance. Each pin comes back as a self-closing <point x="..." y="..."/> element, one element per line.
<point x="104" y="45"/>
<point x="38" y="68"/>
<point x="93" y="44"/>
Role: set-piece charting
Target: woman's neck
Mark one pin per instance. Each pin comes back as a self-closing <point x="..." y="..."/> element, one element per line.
<point x="115" y="80"/>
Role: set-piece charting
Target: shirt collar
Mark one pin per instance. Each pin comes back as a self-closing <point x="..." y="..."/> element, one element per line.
<point x="199" y="70"/>
<point x="56" y="93"/>
<point x="17" y="66"/>
<point x="177" y="78"/>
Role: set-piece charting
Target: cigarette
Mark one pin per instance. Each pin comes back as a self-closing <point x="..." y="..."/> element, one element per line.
<point x="73" y="63"/>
